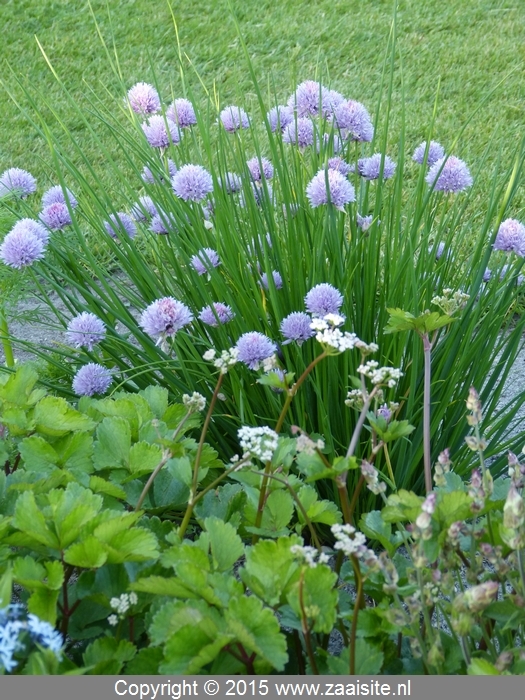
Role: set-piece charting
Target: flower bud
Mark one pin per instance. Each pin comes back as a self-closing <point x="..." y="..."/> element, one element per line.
<point x="481" y="596"/>
<point x="514" y="509"/>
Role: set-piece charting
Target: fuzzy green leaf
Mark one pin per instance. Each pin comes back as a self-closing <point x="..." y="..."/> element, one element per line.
<point x="54" y="416"/>
<point x="30" y="520"/>
<point x="143" y="458"/>
<point x="225" y="544"/>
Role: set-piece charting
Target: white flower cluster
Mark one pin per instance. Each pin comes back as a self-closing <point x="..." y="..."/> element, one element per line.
<point x="351" y="542"/>
<point x="258" y="442"/>
<point x="224" y="361"/>
<point x="354" y="399"/>
<point x="195" y="402"/>
<point x="388" y="376"/>
<point x="371" y="476"/>
<point x="307" y="445"/>
<point x="424" y="519"/>
<point x="121" y="605"/>
<point x="328" y="333"/>
<point x="366" y="348"/>
<point x="451" y="301"/>
<point x="270" y="363"/>
<point x="310" y="555"/>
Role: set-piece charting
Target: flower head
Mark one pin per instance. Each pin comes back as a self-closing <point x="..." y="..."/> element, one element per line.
<point x="56" y="216"/>
<point x="260" y="168"/>
<point x="330" y="187"/>
<point x="216" y="314"/>
<point x="353" y="117"/>
<point x="234" y="118"/>
<point x="195" y="402"/>
<point x="311" y="99"/>
<point x="18" y="182"/>
<point x="56" y="195"/>
<point x="192" y="183"/>
<point x="364" y="222"/>
<point x="164" y="317"/>
<point x="163" y="223"/>
<point x="144" y="209"/>
<point x="161" y="132"/>
<point x="21" y="246"/>
<point x="279" y="117"/>
<point x="144" y="99"/>
<point x="511" y="237"/>
<point x="254" y="348"/>
<point x="296" y="327"/>
<point x="120" y="223"/>
<point x="370" y="168"/>
<point x="204" y="260"/>
<point x="323" y="299"/>
<point x="92" y="379"/>
<point x="85" y="330"/>
<point x="435" y="153"/>
<point x="300" y="132"/>
<point x="182" y="112"/>
<point x="449" y="174"/>
<point x="277" y="280"/>
<point x="31" y="226"/>
<point x="258" y="442"/>
<point x="151" y="178"/>
<point x="337" y="163"/>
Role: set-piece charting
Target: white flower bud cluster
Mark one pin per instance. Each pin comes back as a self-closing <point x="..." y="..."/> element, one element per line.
<point x="354" y="399"/>
<point x="270" y="363"/>
<point x="371" y="476"/>
<point x="351" y="542"/>
<point x="424" y="519"/>
<point x="224" y="361"/>
<point x="328" y="333"/>
<point x="311" y="555"/>
<point x="388" y="376"/>
<point x="451" y="301"/>
<point x="195" y="402"/>
<point x="258" y="442"/>
<point x="307" y="445"/>
<point x="366" y="348"/>
<point x="122" y="604"/>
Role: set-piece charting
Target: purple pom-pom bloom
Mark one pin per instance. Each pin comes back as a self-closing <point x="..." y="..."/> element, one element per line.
<point x="330" y="187"/>
<point x="163" y="224"/>
<point x="254" y="348"/>
<point x="277" y="280"/>
<point x="55" y="195"/>
<point x="164" y="317"/>
<point x="33" y="227"/>
<point x="92" y="379"/>
<point x="311" y="99"/>
<point x="330" y="141"/>
<point x="511" y="237"/>
<point x="56" y="216"/>
<point x="220" y="313"/>
<point x="151" y="178"/>
<point x="454" y="176"/>
<point x="205" y="260"/>
<point x="182" y="113"/>
<point x="231" y="183"/>
<point x="296" y="327"/>
<point x="340" y="165"/>
<point x="21" y="248"/>
<point x="260" y="168"/>
<point x="85" y="330"/>
<point x="234" y="118"/>
<point x="144" y="209"/>
<point x="192" y="183"/>
<point x="364" y="222"/>
<point x="300" y="133"/>
<point x="279" y="117"/>
<point x="353" y="117"/>
<point x="120" y="223"/>
<point x="18" y="181"/>
<point x="161" y="132"/>
<point x="370" y="168"/>
<point x="435" y="153"/>
<point x="144" y="99"/>
<point x="323" y="299"/>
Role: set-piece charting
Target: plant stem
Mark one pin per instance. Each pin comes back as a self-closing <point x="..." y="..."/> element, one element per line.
<point x="6" y="342"/>
<point x="360" y="422"/>
<point x="389" y="464"/>
<point x="306" y="629"/>
<point x="357" y="606"/>
<point x="427" y="349"/>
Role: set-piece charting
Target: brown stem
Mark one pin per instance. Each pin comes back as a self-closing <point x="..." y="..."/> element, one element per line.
<point x="166" y="457"/>
<point x="357" y="606"/>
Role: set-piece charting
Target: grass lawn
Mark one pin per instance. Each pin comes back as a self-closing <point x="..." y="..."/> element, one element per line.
<point x="468" y="45"/>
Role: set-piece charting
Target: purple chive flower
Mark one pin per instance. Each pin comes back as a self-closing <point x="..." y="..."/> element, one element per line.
<point x="21" y="248"/>
<point x="152" y="179"/>
<point x="163" y="224"/>
<point x="353" y="117"/>
<point x="279" y="117"/>
<point x="439" y="250"/>
<point x="260" y="169"/>
<point x="85" y="330"/>
<point x="487" y="275"/>
<point x="254" y="348"/>
<point x="300" y="133"/>
<point x="330" y="187"/>
<point x="182" y="113"/>
<point x="341" y="166"/>
<point x="164" y="317"/>
<point x="205" y="260"/>
<point x="511" y="237"/>
<point x="234" y="118"/>
<point x="370" y="168"/>
<point x="277" y="280"/>
<point x="231" y="183"/>
<point x="310" y="99"/>
<point x="435" y="153"/>
<point x="220" y="313"/>
<point x="143" y="99"/>
<point x="454" y="176"/>
<point x="323" y="299"/>
<point x="18" y="182"/>
<point x="384" y="412"/>
<point x="56" y="216"/>
<point x="55" y="195"/>
<point x="330" y="141"/>
<point x="120" y="223"/>
<point x="296" y="327"/>
<point x="364" y="222"/>
<point x="192" y="183"/>
<point x="144" y="209"/>
<point x="161" y="132"/>
<point x="35" y="228"/>
<point x="92" y="379"/>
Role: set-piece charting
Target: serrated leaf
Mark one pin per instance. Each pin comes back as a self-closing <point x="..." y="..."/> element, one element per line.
<point x="113" y="443"/>
<point x="192" y="648"/>
<point x="161" y="585"/>
<point x="32" y="574"/>
<point x="271" y="569"/>
<point x="225" y="544"/>
<point x="18" y="387"/>
<point x="37" y="453"/>
<point x="319" y="598"/>
<point x="402" y="506"/>
<point x="143" y="458"/>
<point x="99" y="485"/>
<point x="145" y="663"/>
<point x="368" y="660"/>
<point x="278" y="511"/>
<point x="104" y="655"/>
<point x="157" y="398"/>
<point x="88" y="554"/>
<point x="136" y="544"/>
<point x="30" y="520"/>
<point x="374" y="527"/>
<point x="227" y="503"/>
<point x="6" y="587"/>
<point x="43" y="603"/>
<point x="452" y="507"/>
<point x="54" y="416"/>
<point x="325" y="512"/>
<point x="75" y="451"/>
<point x="482" y="667"/>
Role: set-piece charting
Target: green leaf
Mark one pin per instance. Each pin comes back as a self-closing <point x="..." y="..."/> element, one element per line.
<point x="99" y="485"/>
<point x="157" y="398"/>
<point x="319" y="597"/>
<point x="402" y="506"/>
<point x="368" y="660"/>
<point x="227" y="503"/>
<point x="88" y="554"/>
<point x="482" y="667"/>
<point x="452" y="507"/>
<point x="271" y="569"/>
<point x="19" y="386"/>
<point x="143" y="458"/>
<point x="136" y="544"/>
<point x="113" y="443"/>
<point x="277" y="513"/>
<point x="325" y="512"/>
<point x="106" y="656"/>
<point x="257" y="629"/>
<point x="43" y="603"/>
<point x="146" y="662"/>
<point x="225" y="544"/>
<point x="75" y="451"/>
<point x="374" y="527"/>
<point x="30" y="520"/>
<point x="6" y="587"/>
<point x="37" y="453"/>
<point x="161" y="585"/>
<point x="32" y="574"/>
<point x="54" y="416"/>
